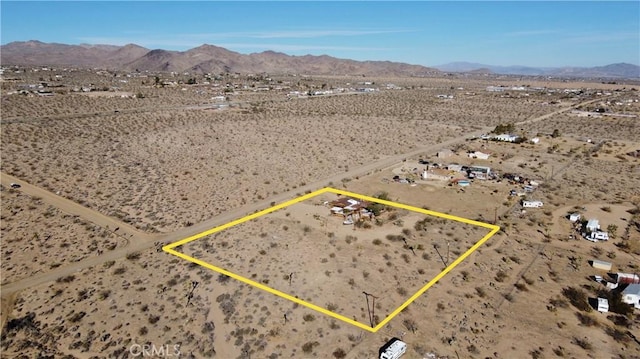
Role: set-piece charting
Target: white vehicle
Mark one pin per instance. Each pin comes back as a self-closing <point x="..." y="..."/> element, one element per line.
<point x="393" y="349"/>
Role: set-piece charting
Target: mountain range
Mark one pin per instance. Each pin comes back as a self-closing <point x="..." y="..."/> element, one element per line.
<point x="619" y="70"/>
<point x="214" y="59"/>
<point x="202" y="59"/>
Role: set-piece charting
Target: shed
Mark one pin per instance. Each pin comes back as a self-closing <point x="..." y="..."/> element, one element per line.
<point x="574" y="217"/>
<point x="631" y="295"/>
<point x="593" y="225"/>
<point x="598" y="264"/>
<point x="444" y="153"/>
<point x="603" y="305"/>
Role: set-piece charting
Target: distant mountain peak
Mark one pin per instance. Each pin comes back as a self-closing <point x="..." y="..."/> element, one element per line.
<point x="618" y="70"/>
<point x="205" y="58"/>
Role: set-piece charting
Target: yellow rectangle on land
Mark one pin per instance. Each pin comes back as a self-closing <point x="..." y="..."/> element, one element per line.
<point x="170" y="248"/>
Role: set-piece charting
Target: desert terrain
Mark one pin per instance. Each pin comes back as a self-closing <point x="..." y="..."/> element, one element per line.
<point x="106" y="181"/>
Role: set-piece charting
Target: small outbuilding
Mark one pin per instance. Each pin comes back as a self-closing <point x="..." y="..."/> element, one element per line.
<point x="603" y="305"/>
<point x="444" y="153"/>
<point x="593" y="225"/>
<point x="602" y="265"/>
<point x="574" y="217"/>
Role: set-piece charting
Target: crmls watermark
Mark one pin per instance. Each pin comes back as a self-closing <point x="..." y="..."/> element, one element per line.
<point x="152" y="350"/>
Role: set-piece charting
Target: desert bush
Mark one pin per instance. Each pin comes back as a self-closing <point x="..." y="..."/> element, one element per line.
<point x="578" y="298"/>
<point x="339" y="353"/>
<point x="521" y="286"/>
<point x="481" y="292"/>
<point x="587" y="320"/>
<point x="308" y="347"/>
<point x="618" y="335"/>
<point x="308" y="317"/>
<point x="66" y="279"/>
<point x="582" y="343"/>
<point x="410" y="324"/>
<point x="559" y="351"/>
<point x="473" y="349"/>
<point x="620" y="320"/>
<point x="501" y="276"/>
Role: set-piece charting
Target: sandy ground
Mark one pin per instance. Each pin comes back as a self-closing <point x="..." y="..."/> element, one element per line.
<point x="170" y="173"/>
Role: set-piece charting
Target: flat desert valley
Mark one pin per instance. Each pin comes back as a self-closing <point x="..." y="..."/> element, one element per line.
<point x="104" y="170"/>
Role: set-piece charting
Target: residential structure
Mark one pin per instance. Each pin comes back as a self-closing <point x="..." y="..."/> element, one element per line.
<point x="592" y="225"/>
<point x="506" y="137"/>
<point x="480" y="172"/>
<point x="631" y="295"/>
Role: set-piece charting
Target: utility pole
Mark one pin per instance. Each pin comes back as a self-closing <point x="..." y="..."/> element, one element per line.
<point x="372" y="313"/>
<point x="447" y="252"/>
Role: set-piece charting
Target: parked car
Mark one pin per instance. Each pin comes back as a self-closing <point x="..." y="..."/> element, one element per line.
<point x="15" y="185"/>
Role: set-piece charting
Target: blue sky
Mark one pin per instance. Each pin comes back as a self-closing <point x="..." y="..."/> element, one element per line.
<point x="531" y="33"/>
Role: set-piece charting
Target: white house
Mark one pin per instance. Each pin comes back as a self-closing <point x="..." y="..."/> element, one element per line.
<point x="532" y="204"/>
<point x="593" y="225"/>
<point x="631" y="295"/>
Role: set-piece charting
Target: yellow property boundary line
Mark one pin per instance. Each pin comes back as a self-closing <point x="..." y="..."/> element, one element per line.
<point x="493" y="230"/>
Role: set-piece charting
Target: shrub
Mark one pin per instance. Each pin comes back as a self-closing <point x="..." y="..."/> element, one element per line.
<point x="308" y="346"/>
<point x="578" y="298"/>
<point x="587" y="320"/>
<point x="339" y="353"/>
<point x="501" y="276"/>
<point x="618" y="335"/>
<point x="582" y="343"/>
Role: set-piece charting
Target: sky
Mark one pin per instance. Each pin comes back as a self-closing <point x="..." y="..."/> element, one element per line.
<point x="429" y="33"/>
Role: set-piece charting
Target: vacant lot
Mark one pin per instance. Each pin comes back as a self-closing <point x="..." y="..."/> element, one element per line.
<point x="162" y="163"/>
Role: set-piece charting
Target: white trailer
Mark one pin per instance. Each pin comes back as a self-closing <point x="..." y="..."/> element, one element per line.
<point x="393" y="349"/>
<point x="603" y="305"/>
<point x="532" y="204"/>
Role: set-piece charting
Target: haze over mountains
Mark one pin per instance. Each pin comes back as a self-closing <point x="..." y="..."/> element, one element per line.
<point x="214" y="59"/>
<point x="622" y="70"/>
